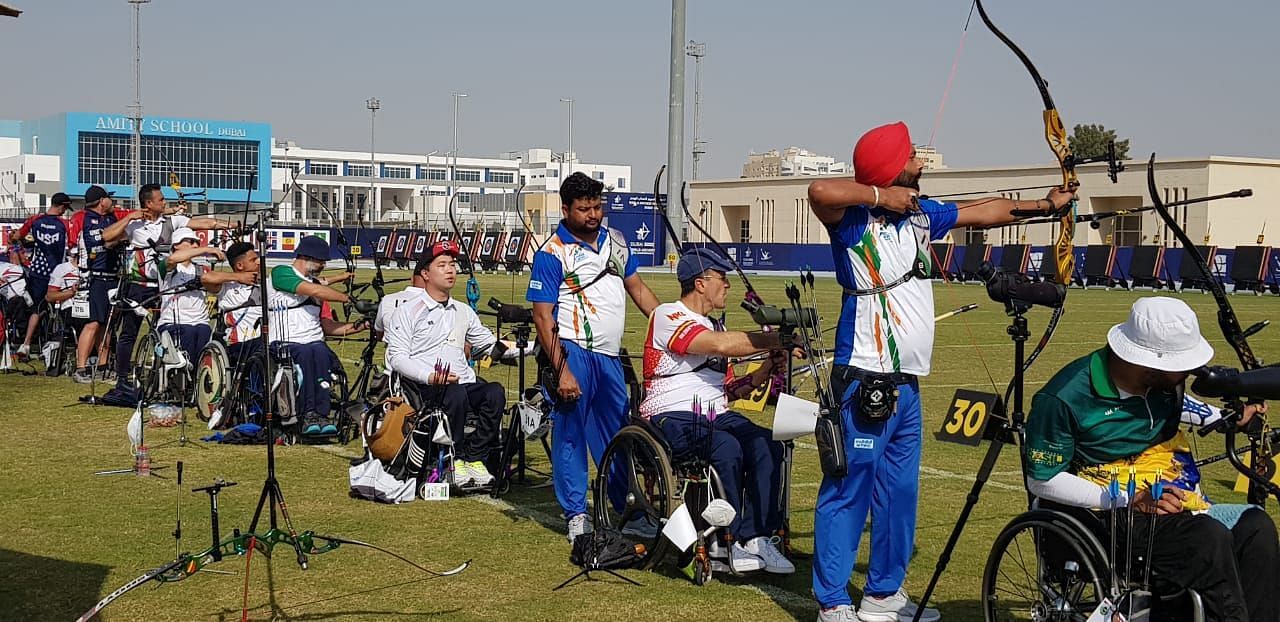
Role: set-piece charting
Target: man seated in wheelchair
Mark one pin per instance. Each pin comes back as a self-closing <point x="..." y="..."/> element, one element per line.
<point x="428" y="332"/>
<point x="685" y="363"/>
<point x="63" y="290"/>
<point x="184" y="315"/>
<point x="1115" y="414"/>
<point x="240" y="303"/>
<point x="17" y="300"/>
<point x="295" y="294"/>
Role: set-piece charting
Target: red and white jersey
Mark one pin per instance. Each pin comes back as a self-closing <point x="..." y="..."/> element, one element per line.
<point x="674" y="378"/>
<point x="65" y="276"/>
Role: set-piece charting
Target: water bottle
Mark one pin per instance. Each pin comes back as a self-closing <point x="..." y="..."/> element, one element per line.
<point x="143" y="466"/>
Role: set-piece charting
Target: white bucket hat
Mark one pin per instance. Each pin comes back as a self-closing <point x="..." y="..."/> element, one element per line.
<point x="1161" y="333"/>
<point x="184" y="233"/>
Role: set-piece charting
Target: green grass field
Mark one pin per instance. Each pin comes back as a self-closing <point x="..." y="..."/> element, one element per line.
<point x="70" y="537"/>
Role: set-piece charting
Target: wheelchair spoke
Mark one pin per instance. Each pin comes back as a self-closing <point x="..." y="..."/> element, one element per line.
<point x="1051" y="578"/>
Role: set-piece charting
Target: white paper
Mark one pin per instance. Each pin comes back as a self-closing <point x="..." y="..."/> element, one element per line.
<point x="794" y="417"/>
<point x="680" y="530"/>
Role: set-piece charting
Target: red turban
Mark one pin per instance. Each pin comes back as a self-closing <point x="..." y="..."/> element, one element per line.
<point x="881" y="154"/>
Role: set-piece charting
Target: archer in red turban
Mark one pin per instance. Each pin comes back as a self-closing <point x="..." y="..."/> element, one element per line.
<point x="881" y="154"/>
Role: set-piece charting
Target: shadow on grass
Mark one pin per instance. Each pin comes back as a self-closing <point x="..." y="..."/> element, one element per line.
<point x="43" y="588"/>
<point x="276" y="611"/>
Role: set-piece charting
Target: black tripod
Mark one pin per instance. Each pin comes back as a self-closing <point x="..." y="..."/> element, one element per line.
<point x="513" y="444"/>
<point x="1009" y="430"/>
<point x="272" y="497"/>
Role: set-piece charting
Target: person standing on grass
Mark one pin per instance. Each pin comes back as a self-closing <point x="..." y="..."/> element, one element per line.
<point x="48" y="233"/>
<point x="99" y="261"/>
<point x="578" y="286"/>
<point x="880" y="233"/>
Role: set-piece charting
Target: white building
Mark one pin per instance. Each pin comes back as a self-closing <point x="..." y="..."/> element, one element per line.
<point x="416" y="188"/>
<point x="931" y="157"/>
<point x="26" y="181"/>
<point x="792" y="161"/>
<point x="542" y="171"/>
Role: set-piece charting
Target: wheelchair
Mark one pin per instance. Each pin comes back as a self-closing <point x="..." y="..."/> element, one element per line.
<point x="639" y="461"/>
<point x="1050" y="564"/>
<point x="250" y="402"/>
<point x="161" y="369"/>
<point x="14" y="313"/>
<point x="411" y="435"/>
<point x="59" y="330"/>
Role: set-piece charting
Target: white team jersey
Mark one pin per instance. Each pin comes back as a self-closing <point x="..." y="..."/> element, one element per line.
<point x="294" y="318"/>
<point x="591" y="309"/>
<point x="64" y="276"/>
<point x="186" y="307"/>
<point x="890" y="331"/>
<point x="241" y="309"/>
<point x="13" y="283"/>
<point x="142" y="235"/>
<point x="422" y="332"/>
<point x="673" y="378"/>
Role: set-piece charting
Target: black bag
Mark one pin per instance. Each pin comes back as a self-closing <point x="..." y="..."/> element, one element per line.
<point x="831" y="454"/>
<point x="123" y="394"/>
<point x="605" y="549"/>
<point x="877" y="398"/>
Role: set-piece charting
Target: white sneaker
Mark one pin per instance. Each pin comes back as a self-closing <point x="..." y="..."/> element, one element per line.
<point x="579" y="525"/>
<point x="480" y="475"/>
<point x="766" y="548"/>
<point x="462" y="473"/>
<point x="742" y="560"/>
<point x="215" y="419"/>
<point x="894" y="608"/>
<point x="839" y="613"/>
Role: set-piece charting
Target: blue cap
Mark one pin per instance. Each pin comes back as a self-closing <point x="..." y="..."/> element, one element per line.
<point x="313" y="246"/>
<point x="700" y="260"/>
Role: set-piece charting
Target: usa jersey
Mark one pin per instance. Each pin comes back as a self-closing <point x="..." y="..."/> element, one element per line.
<point x="50" y="233"/>
<point x="90" y="224"/>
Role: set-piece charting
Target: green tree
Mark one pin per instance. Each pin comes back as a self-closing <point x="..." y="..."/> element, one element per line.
<point x="1089" y="141"/>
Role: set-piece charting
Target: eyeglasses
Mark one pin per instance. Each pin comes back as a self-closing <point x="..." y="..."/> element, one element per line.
<point x="719" y="277"/>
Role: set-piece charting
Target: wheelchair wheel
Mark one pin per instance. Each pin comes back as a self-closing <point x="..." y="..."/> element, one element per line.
<point x="52" y="340"/>
<point x="636" y="464"/>
<point x="247" y="401"/>
<point x="212" y="371"/>
<point x="146" y="366"/>
<point x="1041" y="568"/>
<point x="702" y="573"/>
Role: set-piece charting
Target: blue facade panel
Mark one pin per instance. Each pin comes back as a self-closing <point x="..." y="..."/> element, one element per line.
<point x="60" y="135"/>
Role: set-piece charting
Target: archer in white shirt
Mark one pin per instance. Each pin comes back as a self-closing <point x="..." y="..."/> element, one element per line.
<point x="427" y="337"/>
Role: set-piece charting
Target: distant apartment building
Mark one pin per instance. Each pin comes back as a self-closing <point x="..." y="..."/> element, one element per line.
<point x="791" y="162"/>
<point x="930" y="156"/>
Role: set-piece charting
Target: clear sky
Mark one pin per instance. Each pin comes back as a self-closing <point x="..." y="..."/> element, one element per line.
<point x="1179" y="77"/>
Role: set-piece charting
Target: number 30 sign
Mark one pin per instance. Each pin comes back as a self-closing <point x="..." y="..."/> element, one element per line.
<point x="967" y="417"/>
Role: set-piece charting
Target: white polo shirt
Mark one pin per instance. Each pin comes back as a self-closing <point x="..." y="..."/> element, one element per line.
<point x="422" y="331"/>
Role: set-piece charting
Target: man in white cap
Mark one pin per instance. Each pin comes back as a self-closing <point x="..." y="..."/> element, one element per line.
<point x="148" y="233"/>
<point x="184" y="313"/>
<point x="1115" y="414"/>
